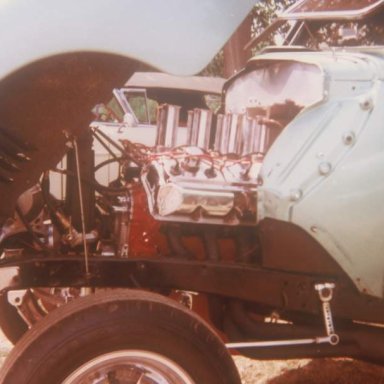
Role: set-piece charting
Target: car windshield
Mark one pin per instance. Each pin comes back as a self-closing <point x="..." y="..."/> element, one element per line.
<point x="143" y="107"/>
<point x="117" y="111"/>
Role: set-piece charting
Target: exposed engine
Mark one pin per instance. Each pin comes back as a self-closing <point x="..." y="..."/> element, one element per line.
<point x="196" y="201"/>
<point x="211" y="180"/>
<point x="214" y="178"/>
<point x="193" y="185"/>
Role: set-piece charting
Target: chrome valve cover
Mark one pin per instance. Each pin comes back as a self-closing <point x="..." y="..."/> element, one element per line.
<point x="189" y="184"/>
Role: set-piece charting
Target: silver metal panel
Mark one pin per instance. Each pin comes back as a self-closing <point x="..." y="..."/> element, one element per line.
<point x="167" y="124"/>
<point x="191" y="185"/>
<point x="199" y="128"/>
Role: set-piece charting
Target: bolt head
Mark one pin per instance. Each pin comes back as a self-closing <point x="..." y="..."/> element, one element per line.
<point x="325" y="168"/>
<point x="349" y="138"/>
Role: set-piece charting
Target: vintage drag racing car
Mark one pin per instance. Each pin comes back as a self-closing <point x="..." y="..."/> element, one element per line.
<point x="262" y="234"/>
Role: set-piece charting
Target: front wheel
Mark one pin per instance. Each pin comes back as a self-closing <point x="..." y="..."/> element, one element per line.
<point x="120" y="336"/>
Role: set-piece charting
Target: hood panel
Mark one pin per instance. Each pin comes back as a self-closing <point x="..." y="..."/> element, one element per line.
<point x="175" y="36"/>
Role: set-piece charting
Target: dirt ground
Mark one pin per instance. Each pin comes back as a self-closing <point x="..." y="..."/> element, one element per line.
<point x="321" y="371"/>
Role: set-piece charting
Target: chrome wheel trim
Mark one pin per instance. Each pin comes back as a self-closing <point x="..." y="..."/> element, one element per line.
<point x="144" y="366"/>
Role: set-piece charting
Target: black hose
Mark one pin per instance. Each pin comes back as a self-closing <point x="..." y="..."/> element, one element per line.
<point x="30" y="230"/>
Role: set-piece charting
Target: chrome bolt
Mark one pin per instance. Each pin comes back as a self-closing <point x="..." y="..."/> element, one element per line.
<point x="325" y="168"/>
<point x="296" y="194"/>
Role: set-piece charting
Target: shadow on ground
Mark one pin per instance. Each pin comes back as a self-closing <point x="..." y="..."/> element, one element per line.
<point x="332" y="371"/>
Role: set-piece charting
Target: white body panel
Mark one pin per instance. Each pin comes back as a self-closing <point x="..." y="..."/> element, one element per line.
<point x="324" y="172"/>
<point x="176" y="36"/>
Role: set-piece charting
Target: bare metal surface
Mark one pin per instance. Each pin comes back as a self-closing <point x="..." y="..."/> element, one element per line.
<point x="199" y="128"/>
<point x="194" y="186"/>
<point x="167" y="123"/>
<point x="325" y="291"/>
<point x="278" y="343"/>
<point x="82" y="216"/>
<point x="132" y="366"/>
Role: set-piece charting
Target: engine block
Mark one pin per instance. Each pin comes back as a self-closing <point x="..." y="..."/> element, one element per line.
<point x="189" y="184"/>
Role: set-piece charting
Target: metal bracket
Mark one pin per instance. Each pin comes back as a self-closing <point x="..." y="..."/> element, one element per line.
<point x="186" y="297"/>
<point x="325" y="291"/>
<point x="325" y="294"/>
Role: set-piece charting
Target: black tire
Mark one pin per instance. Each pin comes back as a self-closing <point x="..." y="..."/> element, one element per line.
<point x="11" y="323"/>
<point x="119" y="320"/>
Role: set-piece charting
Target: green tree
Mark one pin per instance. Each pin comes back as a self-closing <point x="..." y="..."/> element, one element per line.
<point x="264" y="12"/>
<point x="233" y="57"/>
